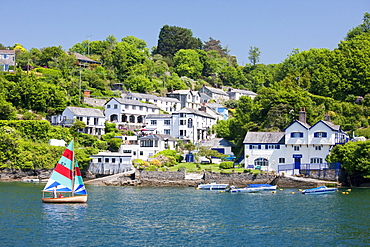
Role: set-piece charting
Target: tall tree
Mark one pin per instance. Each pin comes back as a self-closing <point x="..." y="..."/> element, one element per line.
<point x="254" y="54"/>
<point x="215" y="45"/>
<point x="172" y="39"/>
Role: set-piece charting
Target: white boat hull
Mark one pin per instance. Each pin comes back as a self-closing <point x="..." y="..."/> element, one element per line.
<point x="245" y="190"/>
<point x="68" y="199"/>
<point x="212" y="186"/>
<point x="320" y="190"/>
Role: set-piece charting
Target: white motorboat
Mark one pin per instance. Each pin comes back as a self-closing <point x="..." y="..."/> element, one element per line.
<point x="320" y="190"/>
<point x="212" y="186"/>
<point x="244" y="190"/>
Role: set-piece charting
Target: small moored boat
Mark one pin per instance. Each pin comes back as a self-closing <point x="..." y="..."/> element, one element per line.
<point x="65" y="184"/>
<point x="244" y="190"/>
<point x="263" y="186"/>
<point x="319" y="190"/>
<point x="212" y="186"/>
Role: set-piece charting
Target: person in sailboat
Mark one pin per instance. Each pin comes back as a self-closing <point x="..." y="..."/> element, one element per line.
<point x="55" y="192"/>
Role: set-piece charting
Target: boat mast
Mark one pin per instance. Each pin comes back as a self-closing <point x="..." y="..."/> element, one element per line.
<point x="73" y="167"/>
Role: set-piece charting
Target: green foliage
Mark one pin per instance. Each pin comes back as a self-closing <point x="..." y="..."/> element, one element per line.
<point x="354" y="157"/>
<point x="170" y="154"/>
<point x="172" y="39"/>
<point x="227" y="165"/>
<point x="114" y="144"/>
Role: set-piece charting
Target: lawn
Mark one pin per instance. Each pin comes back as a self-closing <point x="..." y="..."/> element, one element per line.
<point x="194" y="167"/>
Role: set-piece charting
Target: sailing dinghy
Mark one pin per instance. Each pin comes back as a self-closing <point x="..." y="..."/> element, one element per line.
<point x="65" y="181"/>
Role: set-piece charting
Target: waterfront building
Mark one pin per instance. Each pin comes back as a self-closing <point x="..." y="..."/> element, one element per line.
<point x="300" y="145"/>
<point x="166" y="104"/>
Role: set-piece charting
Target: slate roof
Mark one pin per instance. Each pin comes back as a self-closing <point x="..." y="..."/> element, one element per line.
<point x="330" y="125"/>
<point x="134" y="102"/>
<point x="180" y="92"/>
<point x="88" y="112"/>
<point x="7" y="52"/>
<point x="158" y="116"/>
<point x="160" y="137"/>
<point x="216" y="90"/>
<point x="218" y="142"/>
<point x="264" y="137"/>
<point x="247" y="92"/>
<point x="83" y="58"/>
<point x="195" y="112"/>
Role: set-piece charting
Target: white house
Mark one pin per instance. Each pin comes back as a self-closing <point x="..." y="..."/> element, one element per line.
<point x="166" y="104"/>
<point x="93" y="118"/>
<point x="300" y="146"/>
<point x="159" y="124"/>
<point x="190" y="124"/>
<point x="7" y="58"/>
<point x="128" y="113"/>
<point x="235" y="94"/>
<point x="110" y="163"/>
<point x="146" y="146"/>
<point x="218" y="95"/>
<point x="187" y="98"/>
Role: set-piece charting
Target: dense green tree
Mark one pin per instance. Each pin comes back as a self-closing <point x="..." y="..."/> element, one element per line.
<point x="172" y="39"/>
<point x="187" y="63"/>
<point x="354" y="157"/>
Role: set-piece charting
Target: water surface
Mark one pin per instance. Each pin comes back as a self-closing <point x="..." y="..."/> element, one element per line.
<point x="156" y="216"/>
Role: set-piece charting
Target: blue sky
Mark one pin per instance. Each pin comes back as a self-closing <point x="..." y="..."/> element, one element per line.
<point x="275" y="27"/>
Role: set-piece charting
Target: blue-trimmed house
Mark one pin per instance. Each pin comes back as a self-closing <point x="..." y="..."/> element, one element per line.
<point x="300" y="145"/>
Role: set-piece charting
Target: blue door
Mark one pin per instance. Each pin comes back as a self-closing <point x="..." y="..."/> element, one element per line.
<point x="297" y="163"/>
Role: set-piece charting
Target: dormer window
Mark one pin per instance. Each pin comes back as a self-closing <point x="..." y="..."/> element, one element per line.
<point x="296" y="134"/>
<point x="320" y="134"/>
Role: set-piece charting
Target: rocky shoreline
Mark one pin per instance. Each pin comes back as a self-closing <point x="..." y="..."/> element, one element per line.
<point x="176" y="179"/>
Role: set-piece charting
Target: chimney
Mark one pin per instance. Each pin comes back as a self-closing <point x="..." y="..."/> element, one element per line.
<point x="302" y="115"/>
<point x="327" y="117"/>
<point x="87" y="93"/>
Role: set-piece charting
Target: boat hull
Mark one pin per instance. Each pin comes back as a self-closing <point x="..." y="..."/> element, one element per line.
<point x="245" y="190"/>
<point x="69" y="199"/>
<point x="320" y="190"/>
<point x="212" y="186"/>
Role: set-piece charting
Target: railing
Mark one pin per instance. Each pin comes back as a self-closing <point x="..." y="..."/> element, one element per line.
<point x="306" y="168"/>
<point x="108" y="168"/>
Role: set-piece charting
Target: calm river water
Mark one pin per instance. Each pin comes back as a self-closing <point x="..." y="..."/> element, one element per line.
<point x="147" y="216"/>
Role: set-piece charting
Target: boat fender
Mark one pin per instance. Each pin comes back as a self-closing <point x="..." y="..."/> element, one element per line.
<point x="274" y="192"/>
<point x="281" y="189"/>
<point x="292" y="192"/>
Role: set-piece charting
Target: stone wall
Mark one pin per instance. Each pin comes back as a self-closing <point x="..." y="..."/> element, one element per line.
<point x="177" y="179"/>
<point x="329" y="174"/>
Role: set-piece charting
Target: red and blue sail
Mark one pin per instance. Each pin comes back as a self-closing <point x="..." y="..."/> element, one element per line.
<point x="62" y="177"/>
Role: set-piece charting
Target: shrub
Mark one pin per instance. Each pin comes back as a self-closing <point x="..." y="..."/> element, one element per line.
<point x="226" y="165"/>
<point x="156" y="163"/>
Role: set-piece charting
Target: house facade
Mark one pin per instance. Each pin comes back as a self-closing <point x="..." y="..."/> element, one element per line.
<point x="109" y="163"/>
<point x="145" y="147"/>
<point x="300" y="145"/>
<point x="218" y="95"/>
<point x="166" y="104"/>
<point x="187" y="98"/>
<point x="192" y="125"/>
<point x="93" y="118"/>
<point x="7" y="58"/>
<point x="127" y="113"/>
<point x="235" y="94"/>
